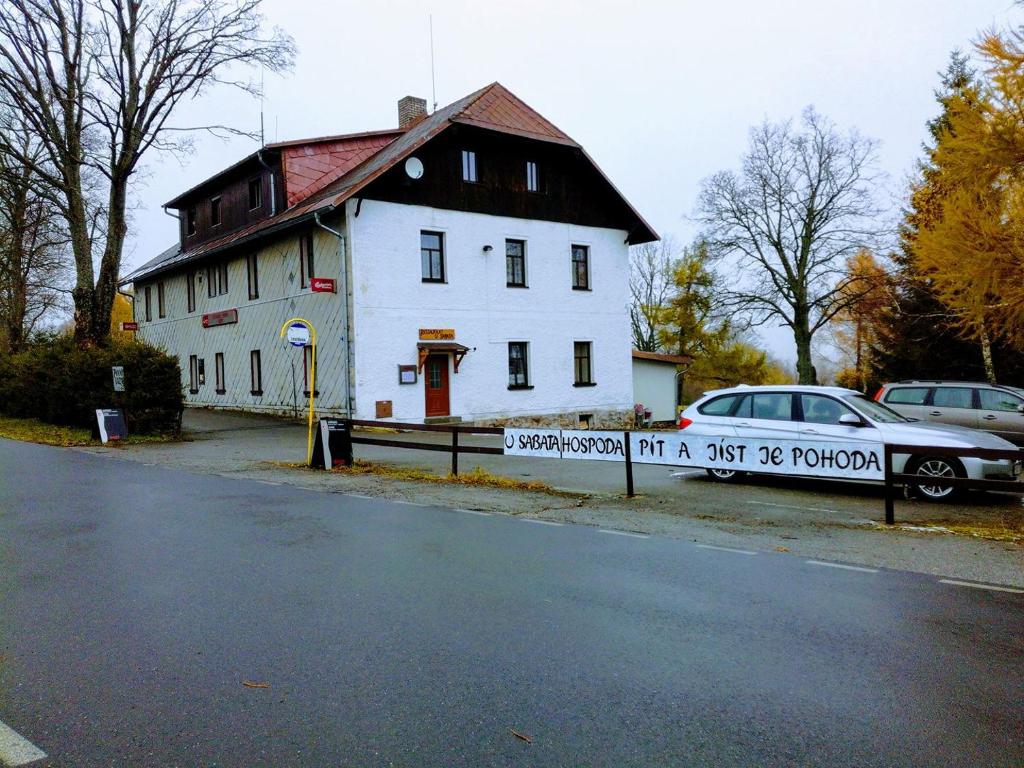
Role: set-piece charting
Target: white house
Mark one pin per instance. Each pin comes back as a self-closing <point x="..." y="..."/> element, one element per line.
<point x="471" y="264"/>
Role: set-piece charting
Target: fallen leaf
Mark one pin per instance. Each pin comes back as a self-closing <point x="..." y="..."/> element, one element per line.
<point x="519" y="735"/>
<point x="782" y="549"/>
<point x="251" y="684"/>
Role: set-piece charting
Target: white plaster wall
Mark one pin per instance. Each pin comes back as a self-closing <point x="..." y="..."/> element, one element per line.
<point x="654" y="385"/>
<point x="391" y="304"/>
<point x="259" y="321"/>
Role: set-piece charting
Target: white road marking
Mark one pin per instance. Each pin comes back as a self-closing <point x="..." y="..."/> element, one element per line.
<point x="360" y="496"/>
<point x="727" y="549"/>
<point x="624" y="533"/>
<point x="844" y="567"/>
<point x="474" y="512"/>
<point x="538" y="522"/>
<point x="16" y="750"/>
<point x="265" y="482"/>
<point x="956" y="583"/>
<point x="793" y="506"/>
<point x="408" y="503"/>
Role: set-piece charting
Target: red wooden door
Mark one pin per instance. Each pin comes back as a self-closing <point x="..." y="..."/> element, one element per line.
<point x="436" y="380"/>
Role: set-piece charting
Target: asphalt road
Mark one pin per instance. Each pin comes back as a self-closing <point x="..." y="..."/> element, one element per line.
<point x="136" y="600"/>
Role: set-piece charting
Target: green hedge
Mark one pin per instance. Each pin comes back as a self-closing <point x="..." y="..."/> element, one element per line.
<point x="57" y="382"/>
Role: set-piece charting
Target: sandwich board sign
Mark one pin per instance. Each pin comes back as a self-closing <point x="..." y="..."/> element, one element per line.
<point x="110" y="424"/>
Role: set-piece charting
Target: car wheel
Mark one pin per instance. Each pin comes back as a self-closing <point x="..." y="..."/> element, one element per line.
<point x="938" y="467"/>
<point x="724" y="475"/>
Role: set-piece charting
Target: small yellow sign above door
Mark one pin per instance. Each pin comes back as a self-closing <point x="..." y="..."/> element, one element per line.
<point x="437" y="334"/>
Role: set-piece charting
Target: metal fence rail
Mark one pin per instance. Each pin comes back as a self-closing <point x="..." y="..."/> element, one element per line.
<point x="454" y="429"/>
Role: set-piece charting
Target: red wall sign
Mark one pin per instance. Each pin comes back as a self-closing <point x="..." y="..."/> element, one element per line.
<point x="224" y="317"/>
<point x="322" y="285"/>
<point x="126" y="326"/>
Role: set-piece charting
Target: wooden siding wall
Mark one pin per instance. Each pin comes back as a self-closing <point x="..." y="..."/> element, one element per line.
<point x="234" y="204"/>
<point x="571" y="190"/>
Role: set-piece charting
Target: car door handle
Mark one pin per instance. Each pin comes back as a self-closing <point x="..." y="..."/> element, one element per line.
<point x="742" y="424"/>
<point x="990" y="417"/>
<point x="935" y="413"/>
<point x="811" y="431"/>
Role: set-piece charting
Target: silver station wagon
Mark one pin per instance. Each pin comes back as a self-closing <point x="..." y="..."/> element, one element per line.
<point x="795" y="412"/>
<point x="978" y="405"/>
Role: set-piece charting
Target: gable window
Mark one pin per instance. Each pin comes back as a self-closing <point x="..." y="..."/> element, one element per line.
<point x="469" y="166"/>
<point x="432" y="256"/>
<point x="190" y="221"/>
<point x="532" y="177"/>
<point x="161" y="308"/>
<point x="252" y="269"/>
<point x="149" y="303"/>
<point x="305" y="259"/>
<point x="255" y="373"/>
<point x="581" y="363"/>
<point x="215" y="212"/>
<point x="518" y="367"/>
<point x="193" y="374"/>
<point x="217" y="280"/>
<point x="218" y="366"/>
<point x="255" y="193"/>
<point x="581" y="268"/>
<point x="515" y="263"/>
<point x="190" y="290"/>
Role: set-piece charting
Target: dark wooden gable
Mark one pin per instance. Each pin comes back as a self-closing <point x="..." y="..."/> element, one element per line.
<point x="571" y="189"/>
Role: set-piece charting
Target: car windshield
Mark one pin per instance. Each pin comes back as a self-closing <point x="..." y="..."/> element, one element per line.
<point x="875" y="411"/>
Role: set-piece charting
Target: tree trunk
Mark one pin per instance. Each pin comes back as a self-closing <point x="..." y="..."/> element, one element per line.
<point x="802" y="336"/>
<point x="986" y="354"/>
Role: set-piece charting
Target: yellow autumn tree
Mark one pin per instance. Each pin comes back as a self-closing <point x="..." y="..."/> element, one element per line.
<point x="972" y="246"/>
<point x="865" y="292"/>
<point x="121" y="313"/>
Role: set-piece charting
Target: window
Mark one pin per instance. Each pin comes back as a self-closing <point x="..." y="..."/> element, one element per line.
<point x="515" y="263"/>
<point x="148" y="294"/>
<point x="161" y="308"/>
<point x="532" y="177"/>
<point x="907" y="395"/>
<point x="217" y="280"/>
<point x="255" y="372"/>
<point x="580" y="268"/>
<point x="305" y="259"/>
<point x="218" y="365"/>
<point x="518" y="367"/>
<point x="215" y="212"/>
<point x="822" y="410"/>
<point x="190" y="221"/>
<point x="720" y="406"/>
<point x="994" y="400"/>
<point x="469" y="166"/>
<point x="307" y="364"/>
<point x="252" y="269"/>
<point x="432" y="256"/>
<point x="190" y="290"/>
<point x="255" y="194"/>
<point x="953" y="397"/>
<point x="581" y="361"/>
<point x="773" y="406"/>
<point x="193" y="374"/>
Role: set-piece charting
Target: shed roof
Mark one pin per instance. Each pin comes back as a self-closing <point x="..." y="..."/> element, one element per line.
<point x="661" y="357"/>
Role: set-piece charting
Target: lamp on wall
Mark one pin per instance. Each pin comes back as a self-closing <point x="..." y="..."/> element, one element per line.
<point x="488" y="248"/>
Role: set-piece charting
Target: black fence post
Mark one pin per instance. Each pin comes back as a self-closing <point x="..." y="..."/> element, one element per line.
<point x="629" y="465"/>
<point x="455" y="451"/>
<point x="346" y="443"/>
<point x="890" y="506"/>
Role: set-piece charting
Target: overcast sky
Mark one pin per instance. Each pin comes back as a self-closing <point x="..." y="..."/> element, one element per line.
<point x="661" y="94"/>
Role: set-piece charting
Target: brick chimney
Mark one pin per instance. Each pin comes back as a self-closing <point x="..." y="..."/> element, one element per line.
<point x="410" y="111"/>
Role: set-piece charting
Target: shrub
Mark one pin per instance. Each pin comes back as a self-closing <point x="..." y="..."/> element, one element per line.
<point x="58" y="382"/>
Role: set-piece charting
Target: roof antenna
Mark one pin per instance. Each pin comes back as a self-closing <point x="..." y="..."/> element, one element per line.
<point x="263" y="141"/>
<point x="433" y="82"/>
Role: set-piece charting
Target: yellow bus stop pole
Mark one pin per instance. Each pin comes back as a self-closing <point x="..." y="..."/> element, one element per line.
<point x="312" y="381"/>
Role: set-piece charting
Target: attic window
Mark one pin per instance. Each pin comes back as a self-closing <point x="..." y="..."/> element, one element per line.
<point x="215" y="212"/>
<point x="190" y="221"/>
<point x="532" y="177"/>
<point x="255" y="194"/>
<point x="469" y="166"/>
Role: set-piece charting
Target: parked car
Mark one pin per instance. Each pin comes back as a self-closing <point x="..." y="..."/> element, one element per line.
<point x="833" y="413"/>
<point x="990" y="407"/>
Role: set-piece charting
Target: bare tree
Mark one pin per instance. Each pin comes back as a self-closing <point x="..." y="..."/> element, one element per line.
<point x="651" y="286"/>
<point x="33" y="264"/>
<point x="98" y="82"/>
<point x="803" y="201"/>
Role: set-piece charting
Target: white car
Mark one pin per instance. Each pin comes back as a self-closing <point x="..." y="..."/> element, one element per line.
<point x="794" y="412"/>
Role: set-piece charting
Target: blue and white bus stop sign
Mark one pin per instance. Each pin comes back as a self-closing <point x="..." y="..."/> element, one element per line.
<point x="298" y="335"/>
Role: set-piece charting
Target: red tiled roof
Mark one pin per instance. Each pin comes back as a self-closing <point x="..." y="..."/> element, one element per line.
<point x="661" y="357"/>
<point x="324" y="180"/>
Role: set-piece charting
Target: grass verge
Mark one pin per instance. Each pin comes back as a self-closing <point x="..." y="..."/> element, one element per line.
<point x="476" y="477"/>
<point x="35" y="431"/>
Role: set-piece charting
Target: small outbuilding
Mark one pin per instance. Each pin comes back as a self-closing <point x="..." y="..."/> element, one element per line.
<point x="656" y="383"/>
